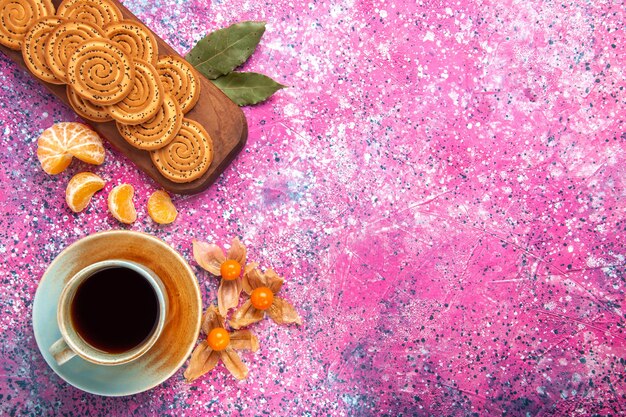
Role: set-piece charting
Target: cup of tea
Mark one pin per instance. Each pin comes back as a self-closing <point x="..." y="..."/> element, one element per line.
<point x="110" y="313"/>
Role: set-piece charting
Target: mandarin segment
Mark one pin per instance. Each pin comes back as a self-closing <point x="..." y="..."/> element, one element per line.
<point x="52" y="155"/>
<point x="84" y="143"/>
<point x="81" y="188"/>
<point x="121" y="205"/>
<point x="161" y="209"/>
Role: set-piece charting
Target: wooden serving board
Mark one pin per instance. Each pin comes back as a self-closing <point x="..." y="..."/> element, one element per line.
<point x="222" y="119"/>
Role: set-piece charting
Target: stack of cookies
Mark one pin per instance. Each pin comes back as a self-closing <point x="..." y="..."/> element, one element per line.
<point x="113" y="72"/>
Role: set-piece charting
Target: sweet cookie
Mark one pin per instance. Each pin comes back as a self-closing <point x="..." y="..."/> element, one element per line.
<point x="62" y="42"/>
<point x="85" y="108"/>
<point x="158" y="131"/>
<point x="16" y="16"/>
<point x="134" y="38"/>
<point x="144" y="99"/>
<point x="101" y="72"/>
<point x="188" y="156"/>
<point x="97" y="12"/>
<point x="179" y="78"/>
<point x="33" y="48"/>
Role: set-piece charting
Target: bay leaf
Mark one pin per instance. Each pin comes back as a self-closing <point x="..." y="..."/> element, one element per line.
<point x="246" y="88"/>
<point x="222" y="51"/>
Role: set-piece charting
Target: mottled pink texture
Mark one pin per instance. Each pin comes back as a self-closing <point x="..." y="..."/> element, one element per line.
<point x="443" y="185"/>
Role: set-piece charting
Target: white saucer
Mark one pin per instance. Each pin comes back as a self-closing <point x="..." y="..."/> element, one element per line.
<point x="173" y="346"/>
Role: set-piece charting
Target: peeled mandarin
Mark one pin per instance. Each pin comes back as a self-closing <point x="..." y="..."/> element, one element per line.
<point x="121" y="203"/>
<point x="81" y="188"/>
<point x="161" y="208"/>
<point x="58" y="144"/>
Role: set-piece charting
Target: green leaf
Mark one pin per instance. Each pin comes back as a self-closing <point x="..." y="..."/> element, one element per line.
<point x="246" y="88"/>
<point x="222" y="51"/>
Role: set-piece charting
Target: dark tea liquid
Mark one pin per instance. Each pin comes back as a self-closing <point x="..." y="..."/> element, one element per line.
<point x="115" y="309"/>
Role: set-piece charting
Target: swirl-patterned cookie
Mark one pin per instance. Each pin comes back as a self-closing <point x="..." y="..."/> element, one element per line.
<point x="134" y="38"/>
<point x="101" y="72"/>
<point x="16" y="16"/>
<point x="144" y="99"/>
<point x="97" y="12"/>
<point x="62" y="42"/>
<point x="158" y="131"/>
<point x="188" y="156"/>
<point x="85" y="108"/>
<point x="33" y="48"/>
<point x="179" y="78"/>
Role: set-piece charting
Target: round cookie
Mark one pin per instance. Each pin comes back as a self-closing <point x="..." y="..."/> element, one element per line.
<point x="101" y="72"/>
<point x="144" y="99"/>
<point x="134" y="38"/>
<point x="62" y="42"/>
<point x="97" y="12"/>
<point x="33" y="48"/>
<point x="85" y="108"/>
<point x="179" y="78"/>
<point x="16" y="16"/>
<point x="188" y="156"/>
<point x="158" y="131"/>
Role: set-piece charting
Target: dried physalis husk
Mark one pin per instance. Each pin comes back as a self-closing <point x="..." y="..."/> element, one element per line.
<point x="220" y="344"/>
<point x="262" y="289"/>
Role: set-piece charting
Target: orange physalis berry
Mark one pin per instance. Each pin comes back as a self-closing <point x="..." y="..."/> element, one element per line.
<point x="262" y="298"/>
<point x="218" y="339"/>
<point x="230" y="269"/>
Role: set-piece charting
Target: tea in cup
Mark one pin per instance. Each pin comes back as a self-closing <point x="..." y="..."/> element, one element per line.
<point x="110" y="313"/>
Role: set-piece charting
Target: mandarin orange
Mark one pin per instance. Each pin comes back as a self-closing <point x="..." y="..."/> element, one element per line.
<point x="58" y="144"/>
<point x="81" y="188"/>
<point x="121" y="204"/>
<point x="161" y="208"/>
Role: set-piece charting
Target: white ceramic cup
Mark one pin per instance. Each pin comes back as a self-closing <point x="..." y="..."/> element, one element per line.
<point x="72" y="344"/>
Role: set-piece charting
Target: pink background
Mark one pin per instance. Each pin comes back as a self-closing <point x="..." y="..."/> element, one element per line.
<point x="443" y="188"/>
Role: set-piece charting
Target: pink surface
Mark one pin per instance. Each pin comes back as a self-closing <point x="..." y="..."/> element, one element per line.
<point x="443" y="187"/>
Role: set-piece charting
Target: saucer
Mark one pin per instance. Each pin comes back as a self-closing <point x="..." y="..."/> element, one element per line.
<point x="171" y="349"/>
